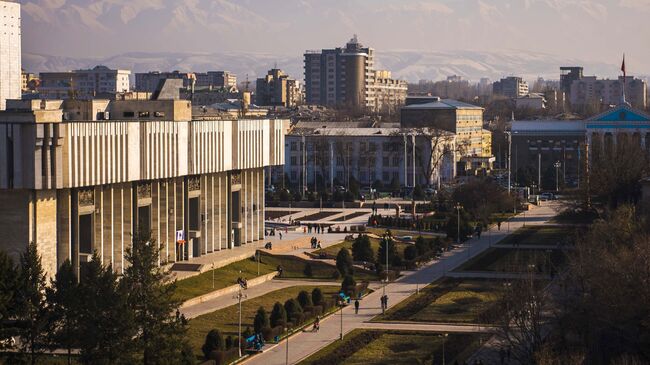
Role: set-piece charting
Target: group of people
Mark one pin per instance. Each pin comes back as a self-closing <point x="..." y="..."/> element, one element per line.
<point x="313" y="227"/>
<point x="271" y="232"/>
<point x="384" y="302"/>
<point x="315" y="243"/>
<point x="242" y="282"/>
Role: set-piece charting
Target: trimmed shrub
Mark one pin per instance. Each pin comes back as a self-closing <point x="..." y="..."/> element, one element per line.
<point x="348" y="285"/>
<point x="292" y="307"/>
<point x="278" y="315"/>
<point x="344" y="263"/>
<point x="305" y="299"/>
<point x="410" y="253"/>
<point x="261" y="320"/>
<point x="229" y="342"/>
<point x="213" y="342"/>
<point x="317" y="296"/>
<point x="267" y="333"/>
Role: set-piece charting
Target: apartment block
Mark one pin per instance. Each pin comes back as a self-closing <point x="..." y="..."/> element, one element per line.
<point x="10" y="52"/>
<point x="99" y="81"/>
<point x="510" y="87"/>
<point x="277" y="89"/>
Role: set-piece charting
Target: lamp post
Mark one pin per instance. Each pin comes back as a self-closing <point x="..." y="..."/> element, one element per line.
<point x="239" y="297"/>
<point x="508" y="133"/>
<point x="213" y="275"/>
<point x="557" y="166"/>
<point x="444" y="339"/>
<point x="341" y="333"/>
<point x="287" y="329"/>
<point x="458" y="207"/>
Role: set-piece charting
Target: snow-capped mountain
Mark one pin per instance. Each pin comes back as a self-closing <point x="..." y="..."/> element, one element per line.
<point x="408" y="65"/>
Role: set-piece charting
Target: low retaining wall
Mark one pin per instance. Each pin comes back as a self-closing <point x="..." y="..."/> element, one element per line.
<point x="228" y="290"/>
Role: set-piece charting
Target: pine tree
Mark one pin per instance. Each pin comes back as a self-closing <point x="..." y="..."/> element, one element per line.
<point x="150" y="290"/>
<point x="278" y="315"/>
<point x="317" y="296"/>
<point x="393" y="257"/>
<point x="105" y="324"/>
<point x="261" y="320"/>
<point x="32" y="312"/>
<point x="344" y="262"/>
<point x="213" y="342"/>
<point x="63" y="296"/>
<point x="362" y="250"/>
<point x="305" y="299"/>
<point x="8" y="273"/>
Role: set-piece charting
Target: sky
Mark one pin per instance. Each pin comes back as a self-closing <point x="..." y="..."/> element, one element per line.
<point x="597" y="30"/>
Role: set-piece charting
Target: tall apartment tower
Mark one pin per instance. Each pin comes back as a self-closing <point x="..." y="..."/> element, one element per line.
<point x="569" y="74"/>
<point x="10" y="52"/>
<point x="340" y="76"/>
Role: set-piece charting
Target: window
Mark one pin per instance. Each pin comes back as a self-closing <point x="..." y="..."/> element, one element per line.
<point x="294" y="146"/>
<point x="293" y="160"/>
<point x="86" y="233"/>
<point x="128" y="114"/>
<point x="339" y="161"/>
<point x="385" y="147"/>
<point x="385" y="176"/>
<point x="385" y="161"/>
<point x="362" y="146"/>
<point x="395" y="161"/>
<point x="396" y="176"/>
<point x="372" y="146"/>
<point x="372" y="162"/>
<point x="143" y="114"/>
<point x="159" y="114"/>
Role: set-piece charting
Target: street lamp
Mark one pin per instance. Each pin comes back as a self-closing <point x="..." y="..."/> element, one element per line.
<point x="239" y="297"/>
<point x="458" y="207"/>
<point x="557" y="166"/>
<point x="287" y="329"/>
<point x="444" y="339"/>
<point x="341" y="333"/>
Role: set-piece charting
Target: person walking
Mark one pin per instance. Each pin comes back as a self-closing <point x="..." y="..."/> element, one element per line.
<point x="356" y="306"/>
<point x="280" y="234"/>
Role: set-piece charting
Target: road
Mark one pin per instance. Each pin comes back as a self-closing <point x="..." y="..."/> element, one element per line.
<point x="306" y="343"/>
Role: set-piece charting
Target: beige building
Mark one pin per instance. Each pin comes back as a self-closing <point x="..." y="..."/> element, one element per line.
<point x="10" y="52"/>
<point x="79" y="177"/>
<point x="99" y="81"/>
<point x="591" y="90"/>
<point x="389" y="94"/>
<point x="277" y="89"/>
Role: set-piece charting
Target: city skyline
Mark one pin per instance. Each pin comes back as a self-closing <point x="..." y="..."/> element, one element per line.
<point x="565" y="28"/>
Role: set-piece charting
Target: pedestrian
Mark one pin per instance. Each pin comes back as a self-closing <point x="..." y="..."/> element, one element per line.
<point x="356" y="306"/>
<point x="499" y="225"/>
<point x="280" y="234"/>
<point x="386" y="301"/>
<point x="279" y="269"/>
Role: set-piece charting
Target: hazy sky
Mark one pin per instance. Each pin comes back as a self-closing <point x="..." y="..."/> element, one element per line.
<point x="599" y="30"/>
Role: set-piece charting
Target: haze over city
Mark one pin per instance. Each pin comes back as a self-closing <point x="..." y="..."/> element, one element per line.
<point x="475" y="32"/>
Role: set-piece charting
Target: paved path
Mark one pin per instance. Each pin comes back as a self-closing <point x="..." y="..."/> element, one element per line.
<point x="432" y="327"/>
<point x="536" y="247"/>
<point x="493" y="275"/>
<point x="253" y="292"/>
<point x="397" y="291"/>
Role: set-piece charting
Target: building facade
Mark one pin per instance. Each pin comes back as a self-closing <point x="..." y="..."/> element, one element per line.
<point x="328" y="156"/>
<point x="150" y="81"/>
<point x="99" y="81"/>
<point x="10" y="52"/>
<point x="591" y="90"/>
<point x="510" y="87"/>
<point x="389" y="94"/>
<point x="84" y="186"/>
<point x="277" y="89"/>
<point x="216" y="79"/>
<point x="462" y="119"/>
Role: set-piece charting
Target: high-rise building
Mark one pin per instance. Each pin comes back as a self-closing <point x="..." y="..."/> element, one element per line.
<point x="510" y="87"/>
<point x="84" y="84"/>
<point x="389" y="93"/>
<point x="277" y="89"/>
<point x="568" y="75"/>
<point x="10" y="52"/>
<point x="344" y="77"/>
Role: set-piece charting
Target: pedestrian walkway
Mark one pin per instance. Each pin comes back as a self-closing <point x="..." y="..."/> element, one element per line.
<point x="431" y="327"/>
<point x="332" y="326"/>
<point x="252" y="292"/>
<point x="494" y="275"/>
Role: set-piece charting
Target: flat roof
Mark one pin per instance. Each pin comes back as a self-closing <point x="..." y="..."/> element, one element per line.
<point x="548" y="127"/>
<point x="443" y="104"/>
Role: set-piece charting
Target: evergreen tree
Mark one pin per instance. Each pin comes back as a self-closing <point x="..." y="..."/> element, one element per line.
<point x="344" y="263"/>
<point x="278" y="315"/>
<point x="292" y="307"/>
<point x="261" y="320"/>
<point x="63" y="296"/>
<point x="213" y="342"/>
<point x="362" y="250"/>
<point x="8" y="273"/>
<point x="151" y="299"/>
<point x="317" y="296"/>
<point x="410" y="253"/>
<point x="105" y="325"/>
<point x="305" y="299"/>
<point x="32" y="312"/>
<point x="393" y="257"/>
<point x="348" y="285"/>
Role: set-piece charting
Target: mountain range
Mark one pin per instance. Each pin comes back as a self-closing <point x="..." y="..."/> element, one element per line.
<point x="409" y="65"/>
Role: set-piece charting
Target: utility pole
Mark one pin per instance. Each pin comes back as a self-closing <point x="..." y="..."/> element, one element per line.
<point x="557" y="165"/>
<point x="509" y="134"/>
<point x="239" y="297"/>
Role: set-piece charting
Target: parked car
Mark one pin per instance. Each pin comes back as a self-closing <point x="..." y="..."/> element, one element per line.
<point x="546" y="196"/>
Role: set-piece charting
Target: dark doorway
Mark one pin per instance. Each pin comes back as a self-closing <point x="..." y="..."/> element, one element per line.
<point x="86" y="234"/>
<point x="144" y="219"/>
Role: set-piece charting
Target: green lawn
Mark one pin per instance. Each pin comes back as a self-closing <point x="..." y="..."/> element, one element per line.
<point x="400" y="232"/>
<point x="541" y="235"/>
<point x="333" y="250"/>
<point x="383" y="347"/>
<point x="226" y="319"/>
<point x="449" y="300"/>
<point x="515" y="260"/>
<point x="293" y="267"/>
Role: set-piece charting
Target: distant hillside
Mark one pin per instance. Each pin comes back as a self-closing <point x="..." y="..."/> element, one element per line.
<point x="409" y="65"/>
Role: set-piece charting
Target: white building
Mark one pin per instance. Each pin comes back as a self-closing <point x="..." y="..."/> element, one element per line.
<point x="10" y="52"/>
<point x="84" y="84"/>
